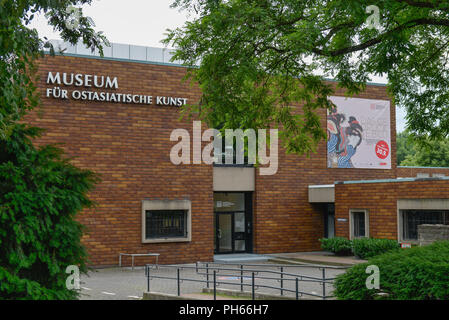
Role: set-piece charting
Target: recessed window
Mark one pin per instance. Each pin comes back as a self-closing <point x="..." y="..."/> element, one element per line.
<point x="236" y="154"/>
<point x="359" y="223"/>
<point x="165" y="224"/>
<point x="166" y="221"/>
<point x="412" y="218"/>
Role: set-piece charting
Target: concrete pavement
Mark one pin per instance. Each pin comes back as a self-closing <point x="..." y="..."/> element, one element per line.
<point x="126" y="284"/>
<point x="317" y="257"/>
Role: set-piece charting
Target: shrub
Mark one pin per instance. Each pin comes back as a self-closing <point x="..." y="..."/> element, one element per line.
<point x="339" y="246"/>
<point x="368" y="247"/>
<point x="418" y="273"/>
<point x="40" y="195"/>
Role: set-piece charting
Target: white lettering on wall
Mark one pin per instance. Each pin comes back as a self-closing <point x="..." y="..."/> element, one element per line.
<point x="106" y="82"/>
<point x="80" y="80"/>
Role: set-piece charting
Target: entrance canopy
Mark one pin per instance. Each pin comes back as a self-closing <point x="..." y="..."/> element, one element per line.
<point x="322" y="193"/>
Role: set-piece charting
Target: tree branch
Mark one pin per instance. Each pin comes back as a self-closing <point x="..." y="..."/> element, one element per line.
<point x="380" y="38"/>
<point x="421" y="4"/>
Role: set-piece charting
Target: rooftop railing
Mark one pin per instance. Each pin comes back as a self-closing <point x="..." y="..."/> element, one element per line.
<point x="119" y="51"/>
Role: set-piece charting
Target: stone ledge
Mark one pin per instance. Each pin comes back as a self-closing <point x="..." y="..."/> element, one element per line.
<point x="258" y="296"/>
<point x="429" y="233"/>
<point x="164" y="296"/>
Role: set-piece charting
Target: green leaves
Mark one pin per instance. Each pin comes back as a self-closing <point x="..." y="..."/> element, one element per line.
<point x="369" y="247"/>
<point x="419" y="273"/>
<point x="255" y="59"/>
<point x="338" y="245"/>
<point x="40" y="194"/>
<point x="20" y="46"/>
<point x="423" y="152"/>
<point x="40" y="191"/>
<point x="362" y="248"/>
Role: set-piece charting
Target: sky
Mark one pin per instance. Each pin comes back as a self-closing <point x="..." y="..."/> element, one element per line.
<point x="144" y="22"/>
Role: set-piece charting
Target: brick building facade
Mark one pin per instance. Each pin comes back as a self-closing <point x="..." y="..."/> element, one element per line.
<point x="128" y="145"/>
<point x="386" y="201"/>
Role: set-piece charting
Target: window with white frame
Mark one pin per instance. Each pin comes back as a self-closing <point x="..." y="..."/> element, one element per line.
<point x="411" y="219"/>
<point x="359" y="223"/>
<point x="165" y="224"/>
<point x="166" y="221"/>
<point x="414" y="212"/>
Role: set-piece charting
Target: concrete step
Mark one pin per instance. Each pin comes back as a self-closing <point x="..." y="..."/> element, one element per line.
<point x="240" y="257"/>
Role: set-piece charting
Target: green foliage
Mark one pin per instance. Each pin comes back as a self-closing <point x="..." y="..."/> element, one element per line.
<point x="20" y="46"/>
<point x="419" y="273"/>
<point x="369" y="247"/>
<point x="404" y="146"/>
<point x="256" y="58"/>
<point x="362" y="248"/>
<point x="422" y="152"/>
<point x="337" y="245"/>
<point x="40" y="191"/>
<point x="40" y="194"/>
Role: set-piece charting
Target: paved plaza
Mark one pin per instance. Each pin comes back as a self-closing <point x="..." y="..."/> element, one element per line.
<point x="128" y="284"/>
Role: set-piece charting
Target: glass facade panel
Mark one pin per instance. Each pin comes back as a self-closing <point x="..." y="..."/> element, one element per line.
<point x="240" y="245"/>
<point x="239" y="222"/>
<point x="225" y="232"/>
<point x="331" y="225"/>
<point x="227" y="202"/>
<point x="358" y="223"/>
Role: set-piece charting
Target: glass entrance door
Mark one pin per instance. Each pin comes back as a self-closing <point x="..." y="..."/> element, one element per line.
<point x="233" y="228"/>
<point x="329" y="220"/>
<point x="224" y="232"/>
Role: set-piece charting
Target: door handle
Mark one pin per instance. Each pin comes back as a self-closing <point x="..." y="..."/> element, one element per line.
<point x="219" y="233"/>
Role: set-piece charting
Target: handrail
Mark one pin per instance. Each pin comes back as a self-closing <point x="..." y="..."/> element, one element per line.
<point x="216" y="270"/>
<point x="305" y="265"/>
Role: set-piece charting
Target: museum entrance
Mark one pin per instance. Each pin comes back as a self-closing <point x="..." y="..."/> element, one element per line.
<point x="329" y="220"/>
<point x="233" y="222"/>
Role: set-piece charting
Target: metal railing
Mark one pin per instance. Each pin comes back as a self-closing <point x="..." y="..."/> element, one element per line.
<point x="210" y="271"/>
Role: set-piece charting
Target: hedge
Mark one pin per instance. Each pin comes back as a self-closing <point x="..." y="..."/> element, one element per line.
<point x="369" y="247"/>
<point x="339" y="246"/>
<point x="419" y="273"/>
<point x="363" y="247"/>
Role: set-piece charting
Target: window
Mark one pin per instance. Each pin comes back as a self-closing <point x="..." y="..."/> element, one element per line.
<point x="166" y="221"/>
<point x="237" y="154"/>
<point x="165" y="224"/>
<point x="229" y="201"/>
<point x="412" y="218"/>
<point x="359" y="223"/>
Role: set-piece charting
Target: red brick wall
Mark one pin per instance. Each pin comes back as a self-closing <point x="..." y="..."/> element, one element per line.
<point x="412" y="172"/>
<point x="285" y="220"/>
<point x="128" y="145"/>
<point x="380" y="199"/>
